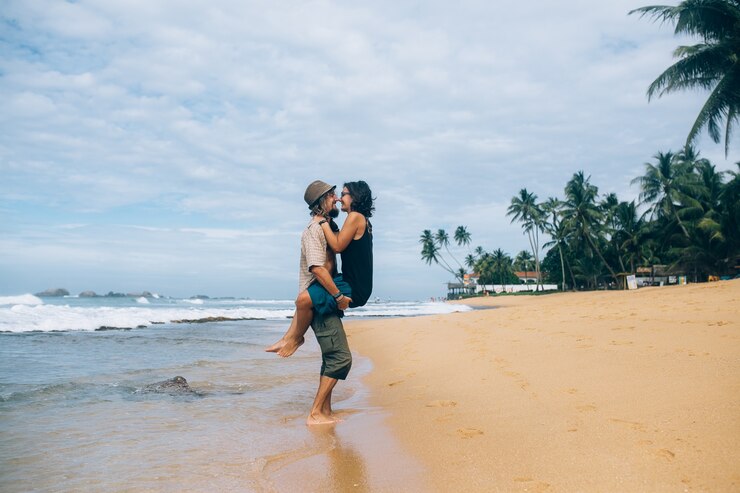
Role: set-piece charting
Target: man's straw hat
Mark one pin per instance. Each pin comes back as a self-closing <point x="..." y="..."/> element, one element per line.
<point x="315" y="191"/>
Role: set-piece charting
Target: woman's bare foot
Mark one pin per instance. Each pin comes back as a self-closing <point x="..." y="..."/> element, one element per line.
<point x="277" y="346"/>
<point x="290" y="346"/>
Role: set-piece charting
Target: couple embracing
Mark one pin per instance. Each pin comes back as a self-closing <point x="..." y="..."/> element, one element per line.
<point x="324" y="294"/>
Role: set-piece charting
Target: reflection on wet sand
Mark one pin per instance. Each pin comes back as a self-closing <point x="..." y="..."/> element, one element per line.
<point x="346" y="470"/>
<point x="358" y="454"/>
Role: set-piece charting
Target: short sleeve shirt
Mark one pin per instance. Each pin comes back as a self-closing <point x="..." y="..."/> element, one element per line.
<point x="313" y="252"/>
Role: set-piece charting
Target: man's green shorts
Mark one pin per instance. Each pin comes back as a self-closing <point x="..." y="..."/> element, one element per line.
<point x="336" y="360"/>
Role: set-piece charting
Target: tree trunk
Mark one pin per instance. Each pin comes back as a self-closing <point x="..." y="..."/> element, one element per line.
<point x="537" y="260"/>
<point x="675" y="213"/>
<point x="562" y="265"/>
<point x="598" y="252"/>
<point x="572" y="276"/>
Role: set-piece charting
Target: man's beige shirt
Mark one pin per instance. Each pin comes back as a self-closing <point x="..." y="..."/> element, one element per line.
<point x="313" y="252"/>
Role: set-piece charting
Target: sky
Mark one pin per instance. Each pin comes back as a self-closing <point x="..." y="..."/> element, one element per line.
<point x="166" y="146"/>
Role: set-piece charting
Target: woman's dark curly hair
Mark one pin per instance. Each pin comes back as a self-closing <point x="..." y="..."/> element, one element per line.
<point x="362" y="199"/>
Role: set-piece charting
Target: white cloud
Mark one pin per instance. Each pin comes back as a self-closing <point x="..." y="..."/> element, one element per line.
<point x="209" y="119"/>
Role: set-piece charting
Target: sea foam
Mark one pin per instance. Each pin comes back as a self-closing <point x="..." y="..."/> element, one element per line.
<point x="28" y="313"/>
<point x="46" y="318"/>
<point x="24" y="299"/>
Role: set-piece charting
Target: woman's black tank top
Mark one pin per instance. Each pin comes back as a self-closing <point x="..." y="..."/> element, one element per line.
<point x="357" y="266"/>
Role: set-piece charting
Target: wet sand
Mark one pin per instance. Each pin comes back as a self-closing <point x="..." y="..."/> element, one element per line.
<point x="599" y="391"/>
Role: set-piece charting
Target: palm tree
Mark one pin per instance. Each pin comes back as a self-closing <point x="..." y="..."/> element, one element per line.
<point x="524" y="208"/>
<point x="501" y="264"/>
<point x="730" y="207"/>
<point x="432" y="243"/>
<point x="713" y="64"/>
<point x="523" y="261"/>
<point x="462" y="236"/>
<point x="443" y="239"/>
<point x="666" y="184"/>
<point x="584" y="216"/>
<point x="630" y="231"/>
<point x="429" y="250"/>
<point x="559" y="234"/>
<point x="690" y="157"/>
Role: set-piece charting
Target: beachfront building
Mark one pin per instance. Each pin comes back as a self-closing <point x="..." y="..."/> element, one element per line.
<point x="527" y="282"/>
<point x="659" y="275"/>
<point x="471" y="286"/>
<point x="528" y="276"/>
<point x="471" y="279"/>
<point x="456" y="290"/>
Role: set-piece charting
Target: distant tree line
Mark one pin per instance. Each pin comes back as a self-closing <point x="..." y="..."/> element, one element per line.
<point x="687" y="218"/>
<point x="688" y="215"/>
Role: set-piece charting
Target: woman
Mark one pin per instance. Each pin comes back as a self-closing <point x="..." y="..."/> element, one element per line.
<point x="354" y="241"/>
<point x="355" y="244"/>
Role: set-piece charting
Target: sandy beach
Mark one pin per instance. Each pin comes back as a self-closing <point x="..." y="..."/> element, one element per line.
<point x="596" y="391"/>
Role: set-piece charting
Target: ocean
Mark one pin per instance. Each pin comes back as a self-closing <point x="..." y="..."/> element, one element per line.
<point x="80" y="409"/>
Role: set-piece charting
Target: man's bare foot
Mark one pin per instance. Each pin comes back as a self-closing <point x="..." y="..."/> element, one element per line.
<point x="319" y="419"/>
<point x="276" y="347"/>
<point x="290" y="346"/>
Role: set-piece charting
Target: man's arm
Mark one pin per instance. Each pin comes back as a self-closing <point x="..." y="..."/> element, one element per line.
<point x="325" y="279"/>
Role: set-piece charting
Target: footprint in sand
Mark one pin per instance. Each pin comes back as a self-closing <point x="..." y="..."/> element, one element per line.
<point x="469" y="432"/>
<point x="537" y="486"/>
<point x="442" y="404"/>
<point x="586" y="408"/>
<point x="632" y="424"/>
<point x="621" y="343"/>
<point x="665" y="454"/>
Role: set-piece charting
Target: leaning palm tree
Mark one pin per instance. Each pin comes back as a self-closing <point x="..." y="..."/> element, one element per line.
<point x="462" y="236"/>
<point x="524" y="208"/>
<point x="433" y="243"/>
<point x="429" y="250"/>
<point x="431" y="254"/>
<point x="713" y="64"/>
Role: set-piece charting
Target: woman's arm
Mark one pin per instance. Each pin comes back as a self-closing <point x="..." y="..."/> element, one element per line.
<point x="352" y="226"/>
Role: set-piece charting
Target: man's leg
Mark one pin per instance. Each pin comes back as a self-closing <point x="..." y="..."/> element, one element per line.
<point x="318" y="415"/>
<point x="326" y="406"/>
<point x="293" y="338"/>
<point x="336" y="362"/>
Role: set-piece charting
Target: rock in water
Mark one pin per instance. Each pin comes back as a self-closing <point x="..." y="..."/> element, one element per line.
<point x="53" y="292"/>
<point x="177" y="385"/>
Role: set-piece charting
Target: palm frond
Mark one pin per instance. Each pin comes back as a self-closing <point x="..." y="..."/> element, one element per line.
<point x="712" y="112"/>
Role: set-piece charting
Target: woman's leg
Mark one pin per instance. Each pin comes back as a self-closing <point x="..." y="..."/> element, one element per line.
<point x="293" y="337"/>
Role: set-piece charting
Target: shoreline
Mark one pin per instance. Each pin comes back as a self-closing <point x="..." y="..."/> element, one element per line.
<point x="588" y="391"/>
<point x="351" y="455"/>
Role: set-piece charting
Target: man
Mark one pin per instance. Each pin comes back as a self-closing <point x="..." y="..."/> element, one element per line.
<point x="318" y="265"/>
